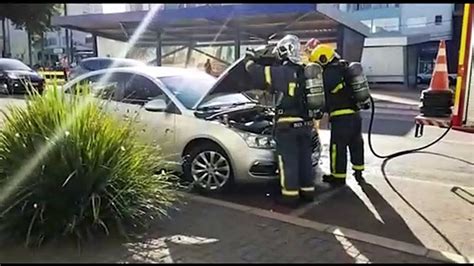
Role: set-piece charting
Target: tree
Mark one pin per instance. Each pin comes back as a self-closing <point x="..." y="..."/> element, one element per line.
<point x="35" y="18"/>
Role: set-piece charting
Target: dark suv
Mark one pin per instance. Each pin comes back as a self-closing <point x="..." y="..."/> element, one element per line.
<point x="98" y="63"/>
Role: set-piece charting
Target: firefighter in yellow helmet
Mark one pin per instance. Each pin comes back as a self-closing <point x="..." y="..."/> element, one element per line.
<point x="346" y="92"/>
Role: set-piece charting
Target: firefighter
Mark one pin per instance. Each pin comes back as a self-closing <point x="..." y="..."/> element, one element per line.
<point x="287" y="81"/>
<point x="309" y="47"/>
<point x="346" y="92"/>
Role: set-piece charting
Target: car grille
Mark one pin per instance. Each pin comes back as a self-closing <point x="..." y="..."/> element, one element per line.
<point x="267" y="169"/>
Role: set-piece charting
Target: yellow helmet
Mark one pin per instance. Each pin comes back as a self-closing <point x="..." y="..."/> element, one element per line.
<point x="322" y="54"/>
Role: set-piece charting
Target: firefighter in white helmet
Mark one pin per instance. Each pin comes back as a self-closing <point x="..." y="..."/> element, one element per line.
<point x="296" y="103"/>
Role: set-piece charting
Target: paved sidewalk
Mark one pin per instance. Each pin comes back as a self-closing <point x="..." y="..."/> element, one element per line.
<point x="203" y="232"/>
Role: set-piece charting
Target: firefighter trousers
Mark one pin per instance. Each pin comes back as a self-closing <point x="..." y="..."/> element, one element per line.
<point x="294" y="149"/>
<point x="346" y="132"/>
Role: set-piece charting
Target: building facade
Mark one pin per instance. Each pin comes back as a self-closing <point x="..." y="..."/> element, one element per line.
<point x="422" y="26"/>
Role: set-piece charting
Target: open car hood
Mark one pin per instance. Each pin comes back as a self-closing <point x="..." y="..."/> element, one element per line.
<point x="235" y="78"/>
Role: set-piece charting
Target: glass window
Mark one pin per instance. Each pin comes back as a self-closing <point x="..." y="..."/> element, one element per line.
<point x="89" y="81"/>
<point x="125" y="87"/>
<point x="139" y="89"/>
<point x="438" y="20"/>
<point x="52" y="41"/>
<point x="418" y="22"/>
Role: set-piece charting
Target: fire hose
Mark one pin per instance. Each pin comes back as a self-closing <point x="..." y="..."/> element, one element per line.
<point x="399" y="153"/>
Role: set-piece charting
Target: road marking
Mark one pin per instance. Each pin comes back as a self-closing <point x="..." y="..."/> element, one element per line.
<point x="324" y="196"/>
<point x="340" y="231"/>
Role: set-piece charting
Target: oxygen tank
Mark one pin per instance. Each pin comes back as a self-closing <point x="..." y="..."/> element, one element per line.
<point x="314" y="88"/>
<point x="359" y="84"/>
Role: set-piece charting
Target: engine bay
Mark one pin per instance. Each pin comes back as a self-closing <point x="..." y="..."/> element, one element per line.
<point x="257" y="119"/>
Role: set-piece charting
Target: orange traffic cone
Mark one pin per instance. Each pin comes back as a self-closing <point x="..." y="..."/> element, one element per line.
<point x="440" y="79"/>
<point x="437" y="100"/>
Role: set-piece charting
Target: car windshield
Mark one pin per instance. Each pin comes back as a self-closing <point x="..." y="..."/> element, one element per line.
<point x="190" y="88"/>
<point x="9" y="64"/>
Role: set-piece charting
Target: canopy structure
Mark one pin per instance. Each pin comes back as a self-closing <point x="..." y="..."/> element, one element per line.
<point x="228" y="24"/>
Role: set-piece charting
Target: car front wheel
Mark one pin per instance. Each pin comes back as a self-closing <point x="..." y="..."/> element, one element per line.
<point x="209" y="168"/>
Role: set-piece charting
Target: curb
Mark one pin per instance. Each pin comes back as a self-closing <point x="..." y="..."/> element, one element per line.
<point x="340" y="231"/>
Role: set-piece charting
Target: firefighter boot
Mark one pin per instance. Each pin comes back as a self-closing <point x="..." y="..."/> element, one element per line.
<point x="359" y="178"/>
<point x="334" y="182"/>
<point x="307" y="196"/>
<point x="288" y="201"/>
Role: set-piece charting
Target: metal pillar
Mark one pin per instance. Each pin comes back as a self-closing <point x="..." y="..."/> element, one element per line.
<point x="158" y="49"/>
<point x="71" y="46"/>
<point x="4" y="39"/>
<point x="406" y="72"/>
<point x="94" y="45"/>
<point x="237" y="45"/>
<point x="66" y="31"/>
<point x="189" y="54"/>
<point x="30" y="54"/>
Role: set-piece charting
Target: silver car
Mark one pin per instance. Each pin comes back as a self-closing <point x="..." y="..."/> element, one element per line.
<point x="212" y="132"/>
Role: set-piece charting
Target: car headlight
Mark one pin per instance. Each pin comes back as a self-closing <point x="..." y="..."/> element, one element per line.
<point x="258" y="141"/>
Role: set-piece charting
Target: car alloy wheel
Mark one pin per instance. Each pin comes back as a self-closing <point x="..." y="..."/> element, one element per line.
<point x="210" y="170"/>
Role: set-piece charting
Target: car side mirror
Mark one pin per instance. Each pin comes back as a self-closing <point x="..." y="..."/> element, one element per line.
<point x="158" y="105"/>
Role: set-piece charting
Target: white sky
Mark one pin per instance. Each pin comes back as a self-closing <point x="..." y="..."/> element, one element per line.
<point x="113" y="8"/>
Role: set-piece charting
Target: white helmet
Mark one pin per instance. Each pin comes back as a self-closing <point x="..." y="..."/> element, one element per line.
<point x="289" y="47"/>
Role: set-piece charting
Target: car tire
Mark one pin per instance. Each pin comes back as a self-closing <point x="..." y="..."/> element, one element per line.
<point x="215" y="176"/>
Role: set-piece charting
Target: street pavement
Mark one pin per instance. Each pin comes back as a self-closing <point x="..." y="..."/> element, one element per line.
<point x="206" y="233"/>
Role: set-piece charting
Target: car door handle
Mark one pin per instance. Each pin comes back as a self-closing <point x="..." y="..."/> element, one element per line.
<point x="168" y="130"/>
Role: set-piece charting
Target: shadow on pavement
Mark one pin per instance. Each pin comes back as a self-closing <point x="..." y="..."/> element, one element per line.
<point x="347" y="209"/>
<point x="218" y="234"/>
<point x="260" y="195"/>
<point x="446" y="239"/>
<point x="447" y="156"/>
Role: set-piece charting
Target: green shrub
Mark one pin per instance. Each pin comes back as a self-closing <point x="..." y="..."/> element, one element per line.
<point x="68" y="169"/>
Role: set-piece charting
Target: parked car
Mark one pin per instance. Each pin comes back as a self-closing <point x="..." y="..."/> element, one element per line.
<point x="211" y="132"/>
<point x="16" y="77"/>
<point x="98" y="63"/>
<point x="425" y="78"/>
